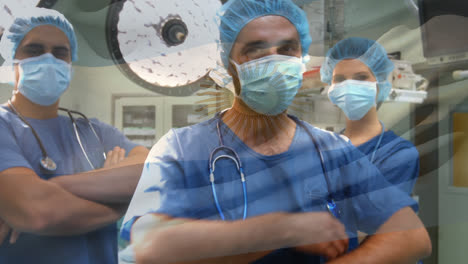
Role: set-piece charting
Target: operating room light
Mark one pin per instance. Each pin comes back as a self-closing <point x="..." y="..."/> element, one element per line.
<point x="166" y="44"/>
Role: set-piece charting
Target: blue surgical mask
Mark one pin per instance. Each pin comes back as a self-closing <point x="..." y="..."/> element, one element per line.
<point x="354" y="97"/>
<point x="269" y="84"/>
<point x="43" y="79"/>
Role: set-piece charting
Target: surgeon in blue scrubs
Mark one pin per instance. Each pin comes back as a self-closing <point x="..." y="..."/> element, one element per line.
<point x="358" y="71"/>
<point x="65" y="211"/>
<point x="214" y="193"/>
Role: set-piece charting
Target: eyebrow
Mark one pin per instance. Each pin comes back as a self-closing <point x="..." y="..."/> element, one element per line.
<point x="256" y="44"/>
<point x="288" y="42"/>
<point x="39" y="45"/>
<point x="265" y="44"/>
<point x="362" y="72"/>
<point x="33" y="45"/>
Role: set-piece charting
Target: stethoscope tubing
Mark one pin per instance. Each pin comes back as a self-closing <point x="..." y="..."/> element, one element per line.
<point x="45" y="155"/>
<point x="331" y="205"/>
<point x="77" y="135"/>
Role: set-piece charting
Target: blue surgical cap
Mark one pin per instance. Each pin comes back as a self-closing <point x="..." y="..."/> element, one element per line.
<point x="29" y="19"/>
<point x="236" y="14"/>
<point x="367" y="51"/>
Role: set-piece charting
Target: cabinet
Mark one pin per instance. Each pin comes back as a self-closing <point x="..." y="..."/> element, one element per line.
<point x="144" y="120"/>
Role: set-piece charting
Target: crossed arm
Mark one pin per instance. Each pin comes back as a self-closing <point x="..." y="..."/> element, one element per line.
<point x="71" y="204"/>
<point x="402" y="239"/>
<point x="115" y="183"/>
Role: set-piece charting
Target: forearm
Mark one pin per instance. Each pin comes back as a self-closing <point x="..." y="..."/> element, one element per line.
<point x="109" y="185"/>
<point x="214" y="240"/>
<point x="82" y="218"/>
<point x="237" y="259"/>
<point x="397" y="247"/>
<point x="113" y="184"/>
<point x="33" y="205"/>
<point x="53" y="211"/>
<point x="402" y="239"/>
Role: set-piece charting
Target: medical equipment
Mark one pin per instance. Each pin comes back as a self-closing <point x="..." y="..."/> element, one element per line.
<point x="165" y="46"/>
<point x="48" y="163"/>
<point x="460" y="75"/>
<point x="403" y="77"/>
<point x="331" y="205"/>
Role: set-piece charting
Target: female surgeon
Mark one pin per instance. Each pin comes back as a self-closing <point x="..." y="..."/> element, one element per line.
<point x="358" y="71"/>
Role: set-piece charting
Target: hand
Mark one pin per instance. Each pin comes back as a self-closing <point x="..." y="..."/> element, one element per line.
<point x="330" y="250"/>
<point x="321" y="229"/>
<point x="4" y="230"/>
<point x="114" y="157"/>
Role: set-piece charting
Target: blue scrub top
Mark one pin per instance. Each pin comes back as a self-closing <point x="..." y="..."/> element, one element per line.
<point x="396" y="158"/>
<point x="175" y="181"/>
<point x="20" y="149"/>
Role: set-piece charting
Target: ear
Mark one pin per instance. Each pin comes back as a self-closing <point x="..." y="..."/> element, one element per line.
<point x="232" y="69"/>
<point x="377" y="93"/>
<point x="378" y="104"/>
<point x="235" y="77"/>
<point x="16" y="75"/>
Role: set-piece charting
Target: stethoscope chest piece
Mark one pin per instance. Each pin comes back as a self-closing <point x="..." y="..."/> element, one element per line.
<point x="332" y="208"/>
<point x="48" y="164"/>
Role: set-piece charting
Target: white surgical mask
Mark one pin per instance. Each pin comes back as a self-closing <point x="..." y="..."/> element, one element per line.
<point x="354" y="97"/>
<point x="269" y="84"/>
<point x="43" y="79"/>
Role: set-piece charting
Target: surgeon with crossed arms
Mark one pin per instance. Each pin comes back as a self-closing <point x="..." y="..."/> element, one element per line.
<point x="256" y="185"/>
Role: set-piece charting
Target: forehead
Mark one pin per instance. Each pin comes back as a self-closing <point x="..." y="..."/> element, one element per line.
<point x="268" y="29"/>
<point x="350" y="67"/>
<point x="47" y="35"/>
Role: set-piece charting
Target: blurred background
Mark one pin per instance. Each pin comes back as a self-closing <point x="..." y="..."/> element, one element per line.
<point x="146" y="66"/>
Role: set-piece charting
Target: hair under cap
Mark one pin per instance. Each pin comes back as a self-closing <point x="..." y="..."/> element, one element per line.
<point x="27" y="20"/>
<point x="369" y="52"/>
<point x="236" y="14"/>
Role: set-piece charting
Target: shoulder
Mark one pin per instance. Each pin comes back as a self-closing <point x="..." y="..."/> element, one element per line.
<point x="6" y="115"/>
<point x="103" y="129"/>
<point x="200" y="129"/>
<point x="185" y="141"/>
<point x="326" y="139"/>
<point x="8" y="119"/>
<point x="395" y="143"/>
<point x="97" y="123"/>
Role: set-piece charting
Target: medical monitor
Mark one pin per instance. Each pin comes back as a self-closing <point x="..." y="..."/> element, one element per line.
<point x="444" y="29"/>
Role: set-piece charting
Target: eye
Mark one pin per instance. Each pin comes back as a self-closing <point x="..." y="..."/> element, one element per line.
<point x="289" y="49"/>
<point x="254" y="52"/>
<point x="61" y="53"/>
<point x="33" y="51"/>
<point x="338" y="79"/>
<point x="361" y="77"/>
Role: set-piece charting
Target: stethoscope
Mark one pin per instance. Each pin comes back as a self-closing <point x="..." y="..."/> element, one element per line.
<point x="331" y="205"/>
<point x="378" y="141"/>
<point x="47" y="162"/>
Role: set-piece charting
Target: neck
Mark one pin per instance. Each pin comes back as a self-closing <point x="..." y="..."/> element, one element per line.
<point x="256" y="129"/>
<point x="26" y="108"/>
<point x="361" y="131"/>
